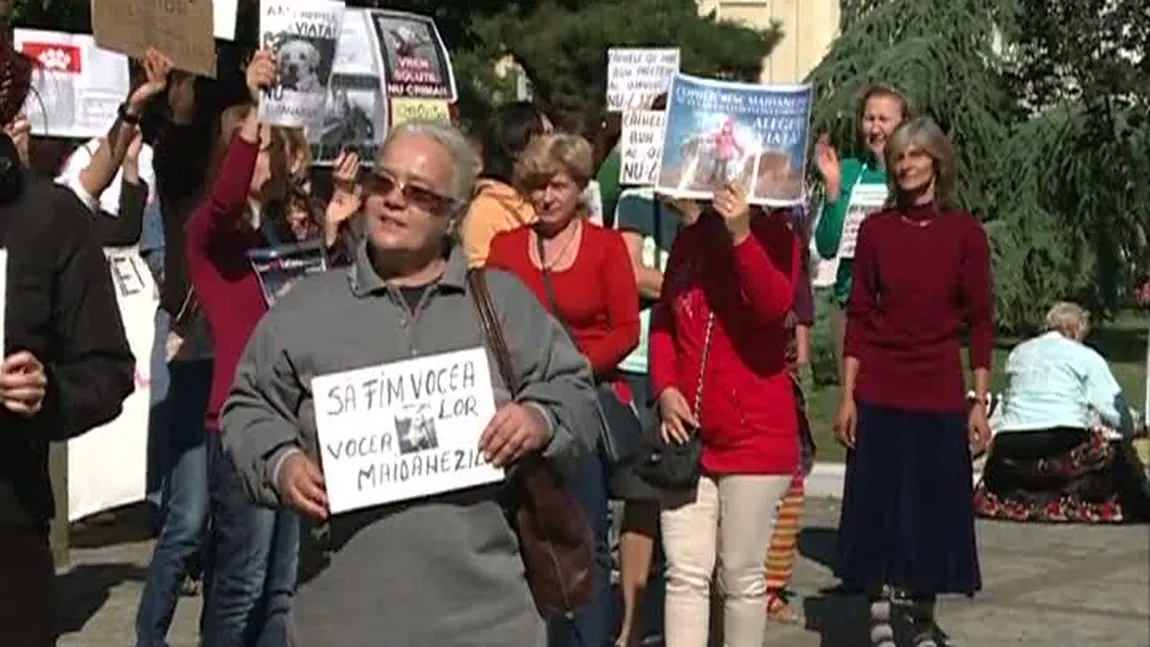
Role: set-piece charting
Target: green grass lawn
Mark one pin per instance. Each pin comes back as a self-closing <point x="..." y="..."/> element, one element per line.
<point x="1121" y="342"/>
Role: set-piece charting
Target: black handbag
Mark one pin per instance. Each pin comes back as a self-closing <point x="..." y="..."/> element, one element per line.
<point x="671" y="465"/>
<point x="621" y="430"/>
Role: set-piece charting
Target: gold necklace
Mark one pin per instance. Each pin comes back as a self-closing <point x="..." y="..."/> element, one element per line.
<point x="562" y="252"/>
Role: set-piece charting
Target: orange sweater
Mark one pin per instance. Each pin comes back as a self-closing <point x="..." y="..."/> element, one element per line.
<point x="496" y="208"/>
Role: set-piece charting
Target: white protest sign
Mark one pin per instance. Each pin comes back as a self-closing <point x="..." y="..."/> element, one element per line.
<point x="636" y="76"/>
<point x="224" y="19"/>
<point x="108" y="466"/>
<point x="304" y="36"/>
<point x="865" y="199"/>
<point x="404" y="430"/>
<point x="642" y="146"/>
<point x="78" y="85"/>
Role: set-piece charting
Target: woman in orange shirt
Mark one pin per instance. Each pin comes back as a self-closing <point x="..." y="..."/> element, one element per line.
<point x="497" y="206"/>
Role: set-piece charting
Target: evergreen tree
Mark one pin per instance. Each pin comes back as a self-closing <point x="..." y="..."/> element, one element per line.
<point x="942" y="55"/>
<point x="1046" y="101"/>
<point x="1073" y="197"/>
<point x="563" y="46"/>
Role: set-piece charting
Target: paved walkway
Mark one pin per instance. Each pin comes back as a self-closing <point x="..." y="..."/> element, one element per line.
<point x="1070" y="586"/>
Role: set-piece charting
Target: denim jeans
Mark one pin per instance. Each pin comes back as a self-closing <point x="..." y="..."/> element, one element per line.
<point x="251" y="573"/>
<point x="161" y="455"/>
<point x="591" y="625"/>
<point x="186" y="496"/>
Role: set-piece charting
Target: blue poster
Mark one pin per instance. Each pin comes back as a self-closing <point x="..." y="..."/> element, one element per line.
<point x="721" y="132"/>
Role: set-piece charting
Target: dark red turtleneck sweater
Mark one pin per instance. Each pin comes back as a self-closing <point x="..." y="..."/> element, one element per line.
<point x="920" y="275"/>
<point x="217" y="244"/>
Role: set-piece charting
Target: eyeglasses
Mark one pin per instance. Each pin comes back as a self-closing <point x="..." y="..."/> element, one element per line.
<point x="380" y="183"/>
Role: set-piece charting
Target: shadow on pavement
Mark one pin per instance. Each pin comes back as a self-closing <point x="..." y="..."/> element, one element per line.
<point x="125" y="525"/>
<point x="83" y="591"/>
<point x="818" y="544"/>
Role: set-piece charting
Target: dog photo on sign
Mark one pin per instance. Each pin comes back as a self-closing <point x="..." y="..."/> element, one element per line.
<point x="416" y="433"/>
<point x="304" y="64"/>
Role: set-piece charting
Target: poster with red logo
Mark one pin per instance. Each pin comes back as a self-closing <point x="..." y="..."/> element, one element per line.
<point x="77" y="85"/>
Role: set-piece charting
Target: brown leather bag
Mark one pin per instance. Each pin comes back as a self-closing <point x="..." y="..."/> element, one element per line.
<point x="555" y="539"/>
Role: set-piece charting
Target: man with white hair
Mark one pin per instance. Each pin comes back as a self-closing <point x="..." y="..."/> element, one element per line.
<point x="452" y="556"/>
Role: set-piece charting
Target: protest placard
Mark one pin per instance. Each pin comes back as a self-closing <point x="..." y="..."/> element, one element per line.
<point x="224" y="18"/>
<point x="181" y="29"/>
<point x="303" y="34"/>
<point x="415" y="60"/>
<point x="108" y="466"/>
<point x="404" y="430"/>
<point x="355" y="115"/>
<point x="636" y="76"/>
<point x="864" y="200"/>
<point x="78" y="85"/>
<point x="408" y="109"/>
<point x="642" y="146"/>
<point x="280" y="267"/>
<point x="722" y="132"/>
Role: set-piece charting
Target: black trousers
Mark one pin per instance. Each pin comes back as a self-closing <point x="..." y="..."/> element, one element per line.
<point x="27" y="611"/>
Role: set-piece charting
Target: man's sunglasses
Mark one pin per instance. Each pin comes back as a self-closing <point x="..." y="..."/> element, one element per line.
<point x="381" y="183"/>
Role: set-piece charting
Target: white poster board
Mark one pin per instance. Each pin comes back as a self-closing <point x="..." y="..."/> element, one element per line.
<point x="304" y="35"/>
<point x="865" y="199"/>
<point x="108" y="466"/>
<point x="355" y="115"/>
<point x="224" y="19"/>
<point x="78" y="86"/>
<point x="635" y="76"/>
<point x="642" y="146"/>
<point x="404" y="430"/>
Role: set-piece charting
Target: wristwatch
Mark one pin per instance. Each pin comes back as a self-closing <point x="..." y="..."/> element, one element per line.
<point x="126" y="117"/>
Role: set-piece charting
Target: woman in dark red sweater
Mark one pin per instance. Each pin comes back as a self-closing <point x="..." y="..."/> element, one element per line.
<point x="596" y="297"/>
<point x="720" y="326"/>
<point x="254" y="548"/>
<point x="922" y="275"/>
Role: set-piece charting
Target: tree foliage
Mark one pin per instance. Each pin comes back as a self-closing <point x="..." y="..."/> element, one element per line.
<point x="563" y="46"/>
<point x="1046" y="101"/>
<point x="940" y="53"/>
<point x="1081" y="161"/>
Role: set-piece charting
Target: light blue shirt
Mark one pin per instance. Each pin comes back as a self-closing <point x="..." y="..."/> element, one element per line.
<point x="1057" y="382"/>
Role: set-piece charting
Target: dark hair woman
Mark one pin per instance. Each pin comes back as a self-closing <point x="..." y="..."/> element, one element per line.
<point x="497" y="206"/>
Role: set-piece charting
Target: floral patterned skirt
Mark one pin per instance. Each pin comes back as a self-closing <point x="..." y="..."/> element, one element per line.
<point x="1062" y="475"/>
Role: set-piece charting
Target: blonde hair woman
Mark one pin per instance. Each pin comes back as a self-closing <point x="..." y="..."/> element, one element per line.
<point x="921" y="275"/>
<point x="853" y="188"/>
<point x="579" y="272"/>
<point x="1058" y="388"/>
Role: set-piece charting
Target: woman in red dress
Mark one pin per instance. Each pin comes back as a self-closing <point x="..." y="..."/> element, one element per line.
<point x="593" y="292"/>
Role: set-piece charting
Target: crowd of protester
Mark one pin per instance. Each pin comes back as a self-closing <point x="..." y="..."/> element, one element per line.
<point x="695" y="316"/>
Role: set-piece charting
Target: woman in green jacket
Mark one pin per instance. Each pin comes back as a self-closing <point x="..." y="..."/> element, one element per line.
<point x="854" y="188"/>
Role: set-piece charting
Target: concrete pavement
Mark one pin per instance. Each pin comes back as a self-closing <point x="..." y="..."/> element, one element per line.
<point x="1064" y="586"/>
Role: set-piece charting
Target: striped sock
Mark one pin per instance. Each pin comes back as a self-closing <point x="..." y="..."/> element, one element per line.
<point x="881" y="630"/>
<point x="784" y="542"/>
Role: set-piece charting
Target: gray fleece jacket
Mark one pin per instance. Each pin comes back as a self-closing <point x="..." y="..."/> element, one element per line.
<point x="442" y="570"/>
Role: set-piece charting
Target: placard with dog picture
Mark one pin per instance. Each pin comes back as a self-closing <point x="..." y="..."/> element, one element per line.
<point x="303" y="34"/>
<point x="415" y="59"/>
<point x="404" y="430"/>
<point x="355" y="116"/>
